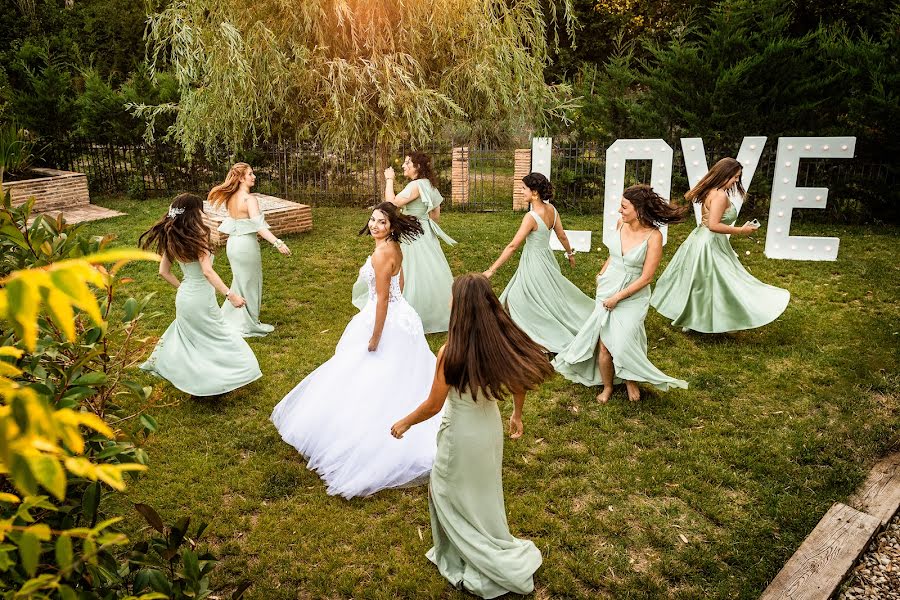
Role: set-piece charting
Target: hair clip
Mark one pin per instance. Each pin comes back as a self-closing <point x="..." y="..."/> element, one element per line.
<point x="174" y="212"/>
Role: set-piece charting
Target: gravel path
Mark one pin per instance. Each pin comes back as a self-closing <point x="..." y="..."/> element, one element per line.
<point x="877" y="574"/>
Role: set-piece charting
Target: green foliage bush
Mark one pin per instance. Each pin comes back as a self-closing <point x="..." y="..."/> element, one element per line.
<point x="74" y="70"/>
<point x="757" y="67"/>
<point x="74" y="425"/>
<point x="16" y="150"/>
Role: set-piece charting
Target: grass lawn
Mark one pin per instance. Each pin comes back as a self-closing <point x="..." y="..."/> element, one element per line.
<point x="698" y="493"/>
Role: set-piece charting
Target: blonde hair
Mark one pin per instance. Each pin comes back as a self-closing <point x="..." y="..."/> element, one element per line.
<point x="223" y="192"/>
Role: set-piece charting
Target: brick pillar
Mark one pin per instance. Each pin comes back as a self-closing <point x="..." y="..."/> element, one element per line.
<point x="521" y="168"/>
<point x="460" y="176"/>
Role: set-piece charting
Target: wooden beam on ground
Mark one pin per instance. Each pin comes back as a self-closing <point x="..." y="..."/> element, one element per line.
<point x="822" y="561"/>
<point x="880" y="494"/>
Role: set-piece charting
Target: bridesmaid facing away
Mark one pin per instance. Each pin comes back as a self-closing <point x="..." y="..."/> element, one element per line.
<point x="539" y="298"/>
<point x="199" y="353"/>
<point x="705" y="287"/>
<point x="425" y="268"/>
<point x="612" y="345"/>
<point x="486" y="356"/>
<point x="243" y="223"/>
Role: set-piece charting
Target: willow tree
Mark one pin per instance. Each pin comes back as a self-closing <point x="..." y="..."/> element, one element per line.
<point x="353" y="71"/>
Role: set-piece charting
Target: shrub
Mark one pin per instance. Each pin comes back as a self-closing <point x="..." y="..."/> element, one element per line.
<point x="69" y="334"/>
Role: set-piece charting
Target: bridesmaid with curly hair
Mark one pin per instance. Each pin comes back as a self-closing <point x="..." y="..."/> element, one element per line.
<point x="199" y="353"/>
<point x="612" y="344"/>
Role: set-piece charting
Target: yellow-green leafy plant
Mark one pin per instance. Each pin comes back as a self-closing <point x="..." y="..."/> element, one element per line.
<point x="67" y="344"/>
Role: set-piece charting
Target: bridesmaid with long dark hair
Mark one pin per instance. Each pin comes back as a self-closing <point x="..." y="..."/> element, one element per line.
<point x="199" y="353"/>
<point x="486" y="358"/>
<point x="612" y="344"/>
<point x="547" y="306"/>
<point x="428" y="276"/>
<point x="705" y="288"/>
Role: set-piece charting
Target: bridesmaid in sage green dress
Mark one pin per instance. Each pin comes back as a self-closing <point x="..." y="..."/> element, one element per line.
<point x="426" y="271"/>
<point x="612" y="345"/>
<point x="243" y="223"/>
<point x="199" y="353"/>
<point x="539" y="298"/>
<point x="705" y="288"/>
<point x="485" y="355"/>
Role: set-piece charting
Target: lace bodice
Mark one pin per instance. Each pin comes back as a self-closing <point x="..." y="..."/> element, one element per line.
<point x="367" y="272"/>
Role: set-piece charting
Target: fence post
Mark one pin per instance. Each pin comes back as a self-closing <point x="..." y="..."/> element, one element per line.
<point x="521" y="168"/>
<point x="460" y="176"/>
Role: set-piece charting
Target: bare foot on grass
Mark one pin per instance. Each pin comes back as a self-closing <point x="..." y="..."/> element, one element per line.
<point x="634" y="392"/>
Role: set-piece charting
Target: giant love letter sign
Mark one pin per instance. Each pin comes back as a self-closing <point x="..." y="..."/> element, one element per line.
<point x="786" y="196"/>
<point x="657" y="151"/>
<point x="696" y="166"/>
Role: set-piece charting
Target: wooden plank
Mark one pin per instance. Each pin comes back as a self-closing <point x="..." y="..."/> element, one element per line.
<point x="80" y="214"/>
<point x="880" y="494"/>
<point x="822" y="561"/>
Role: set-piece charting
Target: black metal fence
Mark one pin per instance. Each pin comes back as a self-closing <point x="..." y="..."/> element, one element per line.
<point x="579" y="172"/>
<point x="308" y="174"/>
<point x="300" y="172"/>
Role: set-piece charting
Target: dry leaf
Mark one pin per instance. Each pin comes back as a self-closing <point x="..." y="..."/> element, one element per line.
<point x="682" y="538"/>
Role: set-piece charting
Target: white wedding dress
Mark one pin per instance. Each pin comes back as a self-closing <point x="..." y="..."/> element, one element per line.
<point x="339" y="417"/>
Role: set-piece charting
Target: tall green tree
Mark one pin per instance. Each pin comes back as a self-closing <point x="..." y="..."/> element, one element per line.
<point x="353" y="71"/>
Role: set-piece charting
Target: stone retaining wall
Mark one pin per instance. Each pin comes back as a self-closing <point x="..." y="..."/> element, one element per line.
<point x="283" y="217"/>
<point x="54" y="191"/>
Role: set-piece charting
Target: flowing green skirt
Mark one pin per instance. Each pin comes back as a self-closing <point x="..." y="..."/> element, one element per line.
<point x="199" y="353"/>
<point x="543" y="302"/>
<point x="706" y="288"/>
<point x="622" y="332"/>
<point x="473" y="546"/>
<point x="246" y="269"/>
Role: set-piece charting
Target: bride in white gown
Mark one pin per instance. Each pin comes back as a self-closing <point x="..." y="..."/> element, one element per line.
<point x="339" y="417"/>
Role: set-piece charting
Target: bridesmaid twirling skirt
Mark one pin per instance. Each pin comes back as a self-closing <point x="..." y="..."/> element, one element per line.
<point x="706" y="288"/>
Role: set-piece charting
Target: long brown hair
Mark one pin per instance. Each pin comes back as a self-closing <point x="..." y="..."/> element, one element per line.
<point x="223" y="192"/>
<point x="486" y="352"/>
<point x="651" y="208"/>
<point x="716" y="178"/>
<point x="404" y="228"/>
<point x="181" y="233"/>
<point x="422" y="163"/>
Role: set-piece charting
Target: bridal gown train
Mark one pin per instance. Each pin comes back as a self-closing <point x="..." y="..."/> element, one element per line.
<point x="339" y="417"/>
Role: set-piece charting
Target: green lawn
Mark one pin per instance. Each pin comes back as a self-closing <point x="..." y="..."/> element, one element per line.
<point x="698" y="493"/>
